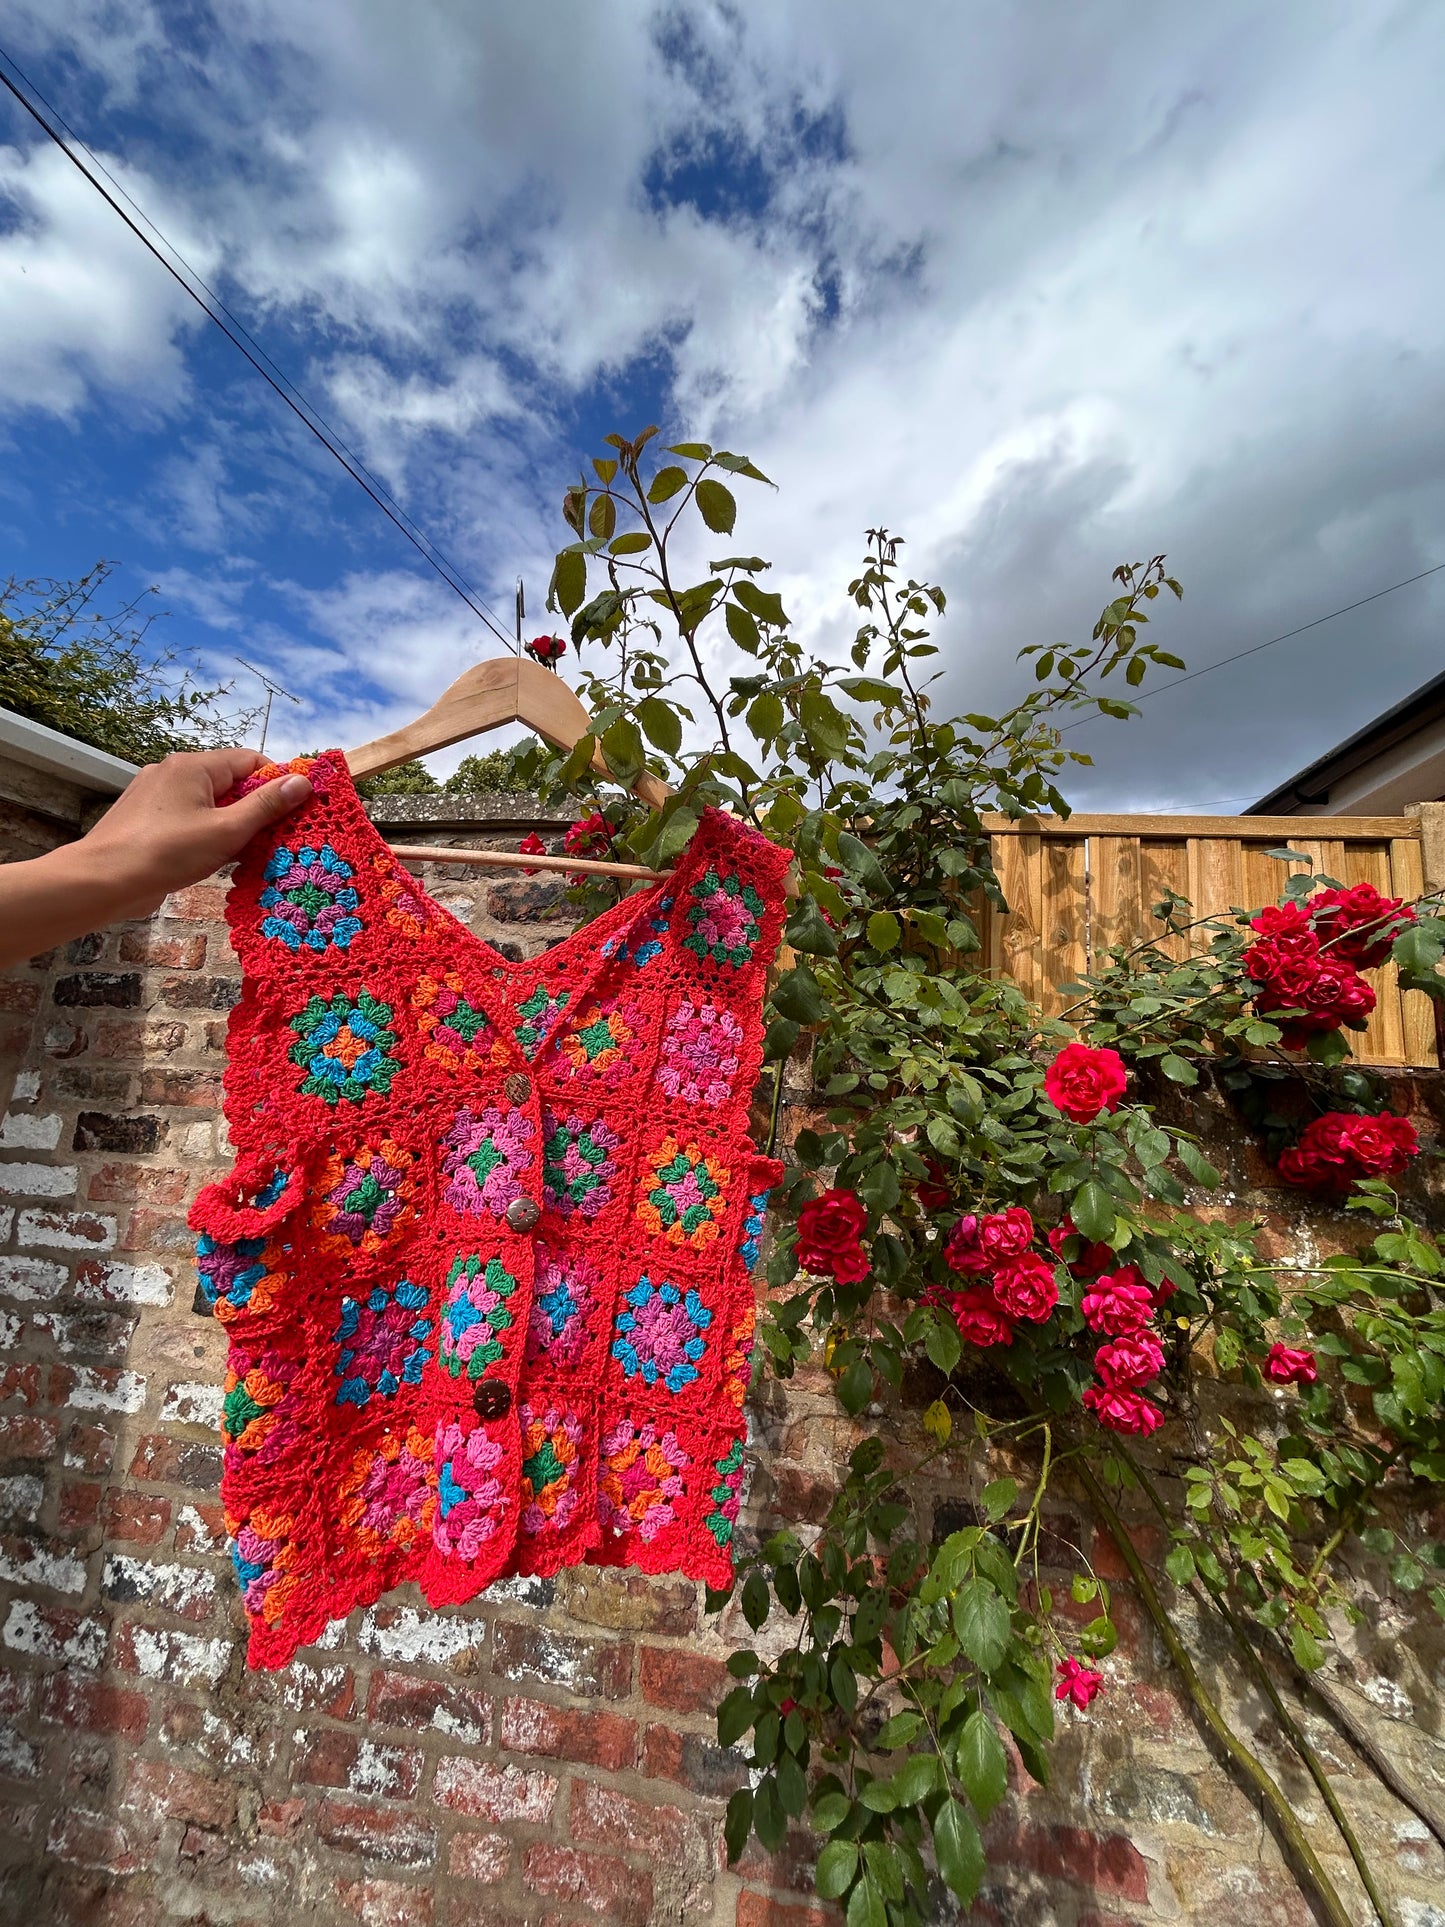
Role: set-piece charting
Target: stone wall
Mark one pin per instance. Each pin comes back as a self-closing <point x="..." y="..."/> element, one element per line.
<point x="545" y="1755"/>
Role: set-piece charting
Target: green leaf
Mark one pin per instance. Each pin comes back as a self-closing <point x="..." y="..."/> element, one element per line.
<point x="981" y="1620"/>
<point x="997" y="1498"/>
<point x="869" y="689"/>
<point x="796" y="994"/>
<point x="792" y="1786"/>
<point x="742" y="629"/>
<point x="569" y="581"/>
<point x="622" y="746"/>
<point x="1306" y="1648"/>
<point x="767" y="607"/>
<point x="959" y="1850"/>
<point x="807" y="931"/>
<point x="861" y="864"/>
<point x="677" y="832"/>
<point x="765" y="715"/>
<point x="1092" y="1211"/>
<point x="1180" y="1565"/>
<point x="916" y="1778"/>
<point x="755" y="1599"/>
<point x="1197" y="1165"/>
<point x="739" y="465"/>
<point x="943" y="1343"/>
<point x="661" y="724"/>
<point x="884" y="930"/>
<point x="982" y="1762"/>
<point x="734" y="1716"/>
<point x="603" y="519"/>
<point x="865" y="1905"/>
<point x="739" y="1823"/>
<point x="830" y="1812"/>
<point x="666" y="482"/>
<point x="837" y="1864"/>
<point x="605" y="470"/>
<point x="694" y="451"/>
<point x="632" y="544"/>
<point x="770" y="1823"/>
<point x="779" y="1039"/>
<point x="716" y="506"/>
<point x="901" y="1730"/>
<point x="855" y="1387"/>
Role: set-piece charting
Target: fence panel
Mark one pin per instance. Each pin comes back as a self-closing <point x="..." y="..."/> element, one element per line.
<point x="1078" y="886"/>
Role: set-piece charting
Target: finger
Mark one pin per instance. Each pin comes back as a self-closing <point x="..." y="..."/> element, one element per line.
<point x="227" y="767"/>
<point x="265" y="806"/>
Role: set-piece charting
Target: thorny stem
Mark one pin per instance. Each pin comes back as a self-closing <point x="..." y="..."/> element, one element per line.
<point x="1291" y="1727"/>
<point x="1308" y="1868"/>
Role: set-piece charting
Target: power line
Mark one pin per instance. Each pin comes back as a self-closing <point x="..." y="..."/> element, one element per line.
<point x="1240" y="654"/>
<point x="239" y="337"/>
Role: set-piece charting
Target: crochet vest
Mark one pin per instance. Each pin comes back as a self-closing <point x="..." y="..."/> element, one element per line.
<point x="483" y="1260"/>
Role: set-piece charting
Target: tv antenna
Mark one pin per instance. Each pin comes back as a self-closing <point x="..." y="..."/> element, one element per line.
<point x="273" y="689"/>
<point x="521" y="609"/>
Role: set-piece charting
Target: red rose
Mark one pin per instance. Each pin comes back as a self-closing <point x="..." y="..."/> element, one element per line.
<point x="546" y="648"/>
<point x="829" y="1229"/>
<point x="586" y="836"/>
<point x="531" y="845"/>
<point x="1078" y="1683"/>
<point x="1083" y="1081"/>
<point x="979" y="1319"/>
<point x="1380" y="1146"/>
<point x="1358" y="924"/>
<point x="1117" y="1304"/>
<point x="963" y="1252"/>
<point x="1121" y="1411"/>
<point x="932" y="1191"/>
<point x="1285" y="1366"/>
<point x="1005" y="1234"/>
<point x="1286" y="973"/>
<point x="1282" y="920"/>
<point x="1026" y="1287"/>
<point x="1130" y="1360"/>
<point x="1091" y="1258"/>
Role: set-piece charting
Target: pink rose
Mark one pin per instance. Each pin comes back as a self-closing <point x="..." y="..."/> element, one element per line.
<point x="1285" y="1366"/>
<point x="1083" y="1081"/>
<point x="1026" y="1287"/>
<point x="1117" y="1305"/>
<point x="1078" y="1683"/>
<point x="1092" y="1258"/>
<point x="1129" y="1361"/>
<point x="1122" y="1411"/>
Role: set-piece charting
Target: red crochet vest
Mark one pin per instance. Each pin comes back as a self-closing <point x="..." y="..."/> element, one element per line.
<point x="484" y="1257"/>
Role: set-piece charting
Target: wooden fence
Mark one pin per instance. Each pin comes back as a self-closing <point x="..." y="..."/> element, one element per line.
<point x="1076" y="886"/>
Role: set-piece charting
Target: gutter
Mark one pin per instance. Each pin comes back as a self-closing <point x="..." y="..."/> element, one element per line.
<point x="46" y="750"/>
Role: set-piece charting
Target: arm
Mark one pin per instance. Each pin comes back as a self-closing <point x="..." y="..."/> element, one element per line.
<point x="162" y="833"/>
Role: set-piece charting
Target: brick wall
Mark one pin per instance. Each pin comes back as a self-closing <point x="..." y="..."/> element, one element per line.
<point x="544" y="1755"/>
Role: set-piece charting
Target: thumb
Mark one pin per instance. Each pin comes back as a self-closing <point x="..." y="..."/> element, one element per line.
<point x="267" y="805"/>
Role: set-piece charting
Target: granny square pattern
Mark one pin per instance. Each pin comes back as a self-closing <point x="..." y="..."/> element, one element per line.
<point x="484" y="1260"/>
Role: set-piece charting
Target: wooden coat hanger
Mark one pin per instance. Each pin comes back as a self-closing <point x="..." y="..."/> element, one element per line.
<point x="504" y="689"/>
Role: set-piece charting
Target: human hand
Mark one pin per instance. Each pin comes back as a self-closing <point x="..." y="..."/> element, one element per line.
<point x="166" y="830"/>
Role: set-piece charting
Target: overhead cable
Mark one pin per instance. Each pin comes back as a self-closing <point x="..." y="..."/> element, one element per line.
<point x="217" y="311"/>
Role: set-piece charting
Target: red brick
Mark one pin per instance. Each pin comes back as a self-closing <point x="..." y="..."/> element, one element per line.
<point x="153" y="1786"/>
<point x="20" y="1381"/>
<point x="317" y="1689"/>
<point x="94" y="1840"/>
<point x="592" y="1667"/>
<point x="16" y="1692"/>
<point x="278" y="1818"/>
<point x="79" y="1506"/>
<point x="1108" y="1562"/>
<point x="388" y="1834"/>
<point x="386" y="1903"/>
<point x="683" y="1682"/>
<point x="15" y="995"/>
<point x="603" y="1885"/>
<point x="626" y="1602"/>
<point x="198" y="903"/>
<point x="185" y="950"/>
<point x="325" y="1757"/>
<point x="479" y="1856"/>
<point x="762" y="1910"/>
<point x="1102" y="1863"/>
<point x="1095" y="1919"/>
<point x="127" y="1183"/>
<point x="23" y="1437"/>
<point x="199" y="1089"/>
<point x="89" y="1448"/>
<point x="563" y="1733"/>
<point x="205" y="1531"/>
<point x="693" y="1761"/>
<point x="135" y="1518"/>
<point x="157" y="1231"/>
<point x="430" y="1705"/>
<point x="486" y="1790"/>
<point x="162" y="1461"/>
<point x="600" y="1816"/>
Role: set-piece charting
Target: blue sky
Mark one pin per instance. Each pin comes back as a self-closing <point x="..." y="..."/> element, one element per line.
<point x="1041" y="288"/>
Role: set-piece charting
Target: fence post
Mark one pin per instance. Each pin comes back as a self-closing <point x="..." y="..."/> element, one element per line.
<point x="1432" y="842"/>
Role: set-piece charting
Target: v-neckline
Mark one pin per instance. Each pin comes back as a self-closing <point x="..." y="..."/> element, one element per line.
<point x="498" y="974"/>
